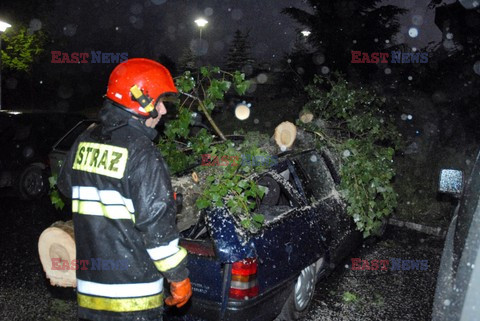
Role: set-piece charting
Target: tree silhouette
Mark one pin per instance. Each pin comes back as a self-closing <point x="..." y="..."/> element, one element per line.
<point x="187" y="61"/>
<point x="238" y="57"/>
<point x="338" y="27"/>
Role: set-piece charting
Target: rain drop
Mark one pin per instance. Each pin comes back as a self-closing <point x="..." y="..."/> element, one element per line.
<point x="413" y="32"/>
<point x="446" y="302"/>
<point x="70" y="30"/>
<point x="417" y="20"/>
<point x="35" y="25"/>
<point x="476" y="67"/>
<point x="208" y="11"/>
<point x="449" y="36"/>
<point x="388" y="71"/>
<point x="256" y="121"/>
<point x="237" y="14"/>
<point x="136" y="8"/>
<point x="325" y="70"/>
<point x="448" y="44"/>
<point x="410" y="77"/>
<point x="262" y="78"/>
<point x="319" y="59"/>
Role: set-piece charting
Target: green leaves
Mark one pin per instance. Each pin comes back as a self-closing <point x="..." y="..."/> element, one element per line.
<point x="349" y="297"/>
<point x="55" y="197"/>
<point x="185" y="83"/>
<point x="232" y="185"/>
<point x="218" y="88"/>
<point x="241" y="85"/>
<point x="226" y="184"/>
<point x="366" y="141"/>
<point x="21" y="48"/>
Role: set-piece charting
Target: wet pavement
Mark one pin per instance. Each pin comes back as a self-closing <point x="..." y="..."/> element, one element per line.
<point x="372" y="295"/>
<point x="344" y="295"/>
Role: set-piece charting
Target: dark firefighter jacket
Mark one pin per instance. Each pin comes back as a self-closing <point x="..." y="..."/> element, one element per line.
<point x="124" y="219"/>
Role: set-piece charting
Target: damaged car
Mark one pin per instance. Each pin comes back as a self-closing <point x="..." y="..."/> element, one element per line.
<point x="271" y="273"/>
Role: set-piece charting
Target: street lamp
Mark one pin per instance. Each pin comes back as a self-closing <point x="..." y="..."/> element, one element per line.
<point x="3" y="27"/>
<point x="306" y="33"/>
<point x="201" y="23"/>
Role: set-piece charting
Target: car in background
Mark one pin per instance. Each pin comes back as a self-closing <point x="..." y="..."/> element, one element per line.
<point x="26" y="138"/>
<point x="457" y="295"/>
<point x="62" y="146"/>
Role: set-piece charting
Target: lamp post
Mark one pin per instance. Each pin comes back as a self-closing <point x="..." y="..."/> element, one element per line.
<point x="3" y="27"/>
<point x="201" y="23"/>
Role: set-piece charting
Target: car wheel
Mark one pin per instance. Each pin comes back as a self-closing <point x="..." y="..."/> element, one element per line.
<point x="32" y="183"/>
<point x="298" y="302"/>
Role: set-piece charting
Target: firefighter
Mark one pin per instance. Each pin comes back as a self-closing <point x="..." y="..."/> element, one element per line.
<point x="122" y="202"/>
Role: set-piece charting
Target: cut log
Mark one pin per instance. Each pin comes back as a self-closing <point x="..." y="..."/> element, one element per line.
<point x="56" y="247"/>
<point x="285" y="135"/>
<point x="305" y="116"/>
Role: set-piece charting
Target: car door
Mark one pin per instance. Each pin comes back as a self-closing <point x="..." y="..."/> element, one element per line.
<point x="290" y="239"/>
<point x="316" y="172"/>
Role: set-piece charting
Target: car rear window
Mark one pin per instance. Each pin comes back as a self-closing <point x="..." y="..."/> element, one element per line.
<point x="314" y="175"/>
<point x="66" y="143"/>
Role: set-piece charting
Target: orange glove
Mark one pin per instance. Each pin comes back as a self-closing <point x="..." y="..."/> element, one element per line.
<point x="181" y="292"/>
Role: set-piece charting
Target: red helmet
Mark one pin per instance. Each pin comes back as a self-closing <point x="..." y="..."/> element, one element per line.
<point x="138" y="83"/>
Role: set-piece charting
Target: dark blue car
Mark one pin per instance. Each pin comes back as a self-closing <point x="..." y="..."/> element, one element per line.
<point x="239" y="275"/>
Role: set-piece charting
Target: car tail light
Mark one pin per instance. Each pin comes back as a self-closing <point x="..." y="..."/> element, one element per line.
<point x="244" y="279"/>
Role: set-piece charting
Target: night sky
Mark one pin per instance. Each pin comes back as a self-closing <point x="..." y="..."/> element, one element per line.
<point x="150" y="28"/>
<point x="154" y="27"/>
